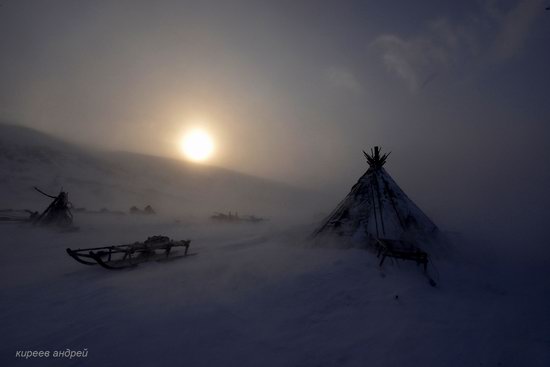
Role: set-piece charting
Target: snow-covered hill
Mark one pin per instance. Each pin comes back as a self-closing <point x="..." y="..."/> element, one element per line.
<point x="118" y="180"/>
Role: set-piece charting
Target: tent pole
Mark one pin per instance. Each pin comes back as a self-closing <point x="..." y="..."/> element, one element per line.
<point x="379" y="201"/>
<point x="390" y="194"/>
<point x="374" y="209"/>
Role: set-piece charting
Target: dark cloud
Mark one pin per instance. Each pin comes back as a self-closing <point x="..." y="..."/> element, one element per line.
<point x="489" y="35"/>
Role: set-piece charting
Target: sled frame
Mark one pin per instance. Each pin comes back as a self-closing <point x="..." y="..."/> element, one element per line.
<point x="401" y="250"/>
<point x="126" y="256"/>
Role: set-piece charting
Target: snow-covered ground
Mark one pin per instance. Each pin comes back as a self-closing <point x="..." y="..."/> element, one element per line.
<point x="256" y="294"/>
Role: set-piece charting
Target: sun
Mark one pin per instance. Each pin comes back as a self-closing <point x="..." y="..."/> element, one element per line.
<point x="197" y="145"/>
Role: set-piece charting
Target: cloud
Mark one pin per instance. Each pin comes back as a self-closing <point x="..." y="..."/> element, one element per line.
<point x="342" y="78"/>
<point x="411" y="60"/>
<point x="514" y="28"/>
<point x="494" y="34"/>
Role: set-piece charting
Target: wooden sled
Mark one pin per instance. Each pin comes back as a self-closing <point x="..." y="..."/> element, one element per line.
<point x="156" y="248"/>
<point x="406" y="251"/>
<point x="400" y="250"/>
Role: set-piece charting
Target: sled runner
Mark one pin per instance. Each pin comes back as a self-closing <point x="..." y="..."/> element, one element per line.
<point x="156" y="248"/>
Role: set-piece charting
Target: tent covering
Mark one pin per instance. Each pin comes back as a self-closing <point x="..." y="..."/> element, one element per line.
<point x="376" y="207"/>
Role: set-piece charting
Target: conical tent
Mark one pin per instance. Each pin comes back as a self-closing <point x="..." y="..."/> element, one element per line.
<point x="57" y="213"/>
<point x="376" y="207"/>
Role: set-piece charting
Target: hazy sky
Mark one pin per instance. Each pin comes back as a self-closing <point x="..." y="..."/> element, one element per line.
<point x="292" y="90"/>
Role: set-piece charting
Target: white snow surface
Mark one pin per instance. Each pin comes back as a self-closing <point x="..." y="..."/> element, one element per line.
<point x="255" y="294"/>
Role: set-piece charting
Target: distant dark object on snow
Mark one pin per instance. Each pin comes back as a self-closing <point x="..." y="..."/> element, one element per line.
<point x="58" y="213"/>
<point x="147" y="210"/>
<point x="107" y="211"/>
<point x="17" y="215"/>
<point x="100" y="211"/>
<point x="235" y="218"/>
<point x="155" y="248"/>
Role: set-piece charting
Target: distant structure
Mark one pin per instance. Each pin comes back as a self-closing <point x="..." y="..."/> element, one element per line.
<point x="377" y="208"/>
<point x="58" y="213"/>
<point x="235" y="218"/>
<point x="147" y="210"/>
<point x="229" y="217"/>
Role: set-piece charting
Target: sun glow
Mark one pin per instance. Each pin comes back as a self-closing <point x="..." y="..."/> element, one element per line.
<point x="197" y="145"/>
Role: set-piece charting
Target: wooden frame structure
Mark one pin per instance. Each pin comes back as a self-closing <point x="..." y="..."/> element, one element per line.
<point x="155" y="248"/>
<point x="401" y="250"/>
